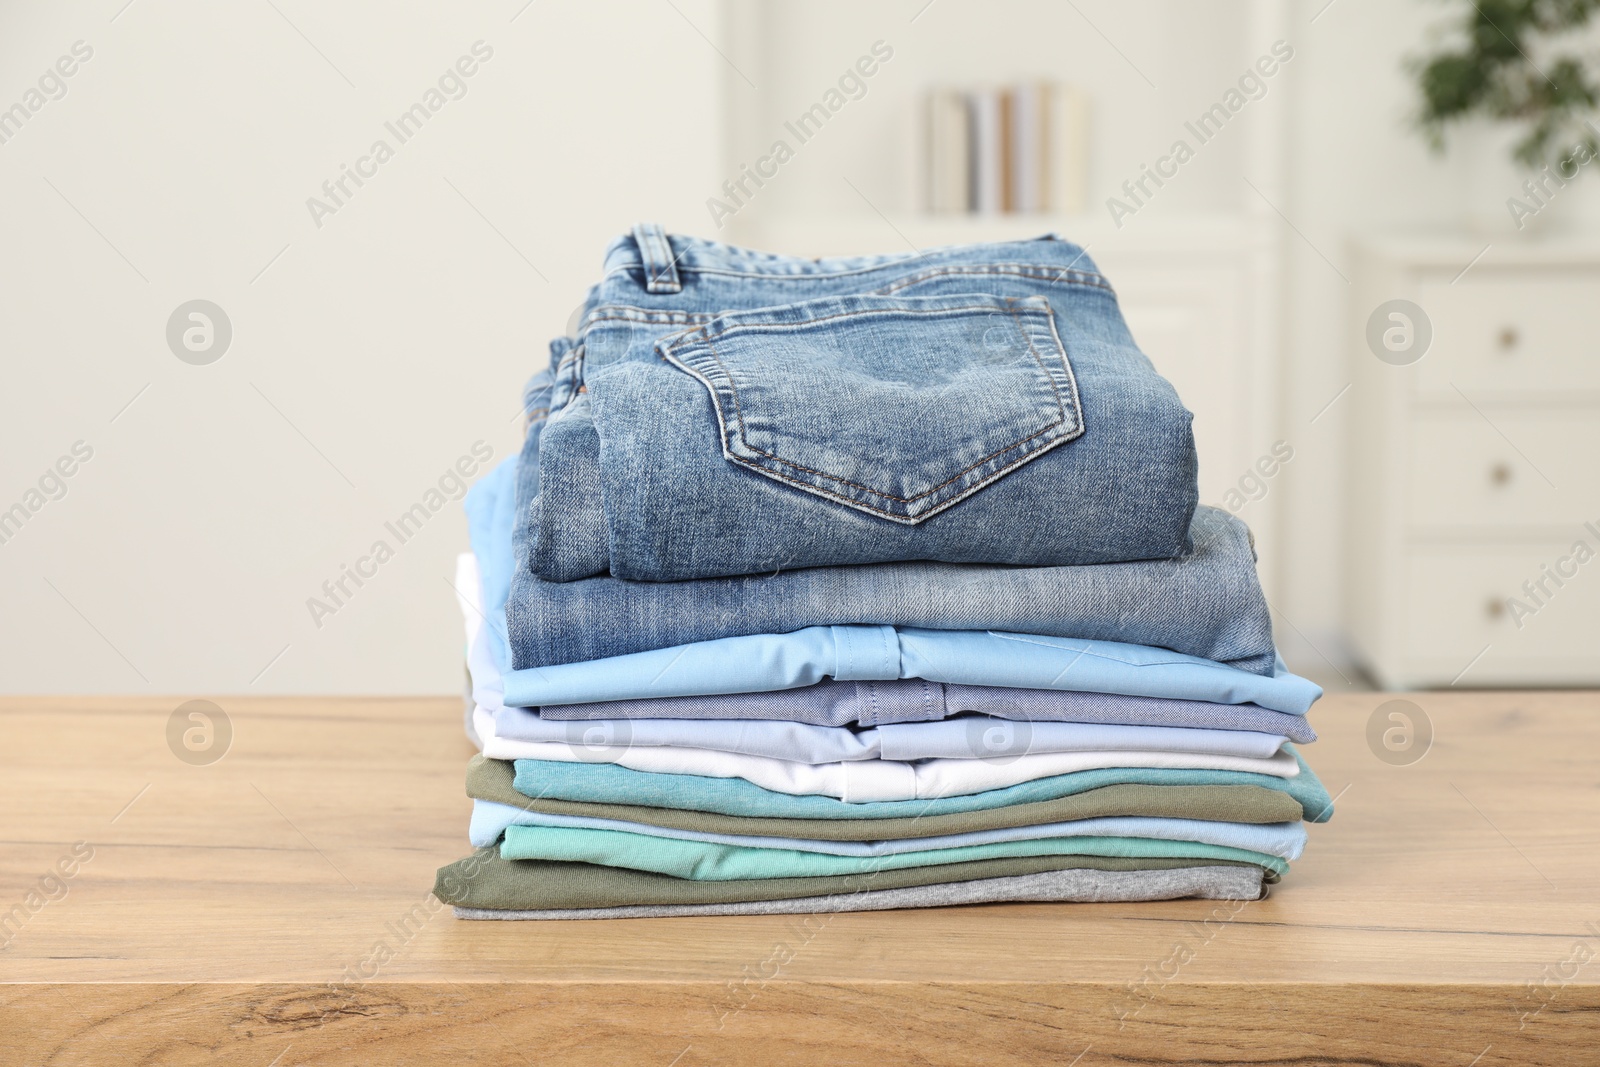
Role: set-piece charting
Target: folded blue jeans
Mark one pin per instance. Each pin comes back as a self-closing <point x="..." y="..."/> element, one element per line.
<point x="729" y="412"/>
<point x="766" y="662"/>
<point x="1206" y="603"/>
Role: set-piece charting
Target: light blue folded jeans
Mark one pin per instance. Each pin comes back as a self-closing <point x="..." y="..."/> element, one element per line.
<point x="727" y="412"/>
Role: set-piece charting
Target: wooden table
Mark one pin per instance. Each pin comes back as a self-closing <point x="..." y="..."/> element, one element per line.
<point x="272" y="908"/>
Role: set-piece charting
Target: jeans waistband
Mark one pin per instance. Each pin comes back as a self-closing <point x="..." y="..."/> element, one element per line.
<point x="659" y="260"/>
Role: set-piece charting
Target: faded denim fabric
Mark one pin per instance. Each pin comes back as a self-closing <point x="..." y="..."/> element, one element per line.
<point x="1207" y="603"/>
<point x="730" y="412"/>
<point x="765" y="662"/>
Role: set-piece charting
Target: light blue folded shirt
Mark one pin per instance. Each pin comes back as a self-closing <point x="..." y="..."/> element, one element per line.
<point x="1284" y="840"/>
<point x="491" y="523"/>
<point x="765" y="662"/>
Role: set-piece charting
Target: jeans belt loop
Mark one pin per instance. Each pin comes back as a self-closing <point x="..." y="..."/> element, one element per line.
<point x="655" y="253"/>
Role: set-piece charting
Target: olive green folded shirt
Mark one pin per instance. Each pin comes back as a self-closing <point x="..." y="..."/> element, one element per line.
<point x="1210" y="883"/>
<point x="484" y="880"/>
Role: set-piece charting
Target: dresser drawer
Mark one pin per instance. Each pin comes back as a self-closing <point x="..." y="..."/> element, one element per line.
<point x="1464" y="472"/>
<point x="1459" y="599"/>
<point x="1512" y="334"/>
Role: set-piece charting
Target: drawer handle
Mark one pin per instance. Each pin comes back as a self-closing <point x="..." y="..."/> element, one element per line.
<point x="1495" y="608"/>
<point x="1500" y="474"/>
<point x="1508" y="338"/>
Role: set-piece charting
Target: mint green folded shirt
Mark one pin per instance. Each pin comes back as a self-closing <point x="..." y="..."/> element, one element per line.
<point x="707" y="862"/>
<point x="606" y="783"/>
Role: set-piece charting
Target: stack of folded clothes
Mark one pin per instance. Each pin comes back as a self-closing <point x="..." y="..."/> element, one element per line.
<point x="849" y="584"/>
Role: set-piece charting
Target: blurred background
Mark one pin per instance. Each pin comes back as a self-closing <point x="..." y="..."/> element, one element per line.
<point x="241" y="338"/>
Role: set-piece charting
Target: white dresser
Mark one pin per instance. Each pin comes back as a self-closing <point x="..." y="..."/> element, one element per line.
<point x="1474" y="485"/>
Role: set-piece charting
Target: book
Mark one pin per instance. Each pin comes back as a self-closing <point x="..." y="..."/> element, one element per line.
<point x="1028" y="143"/>
<point x="1007" y="149"/>
<point x="1069" y="150"/>
<point x="987" y="196"/>
<point x="1018" y="149"/>
<point x="947" y="151"/>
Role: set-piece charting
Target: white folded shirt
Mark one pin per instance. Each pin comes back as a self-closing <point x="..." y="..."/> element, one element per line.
<point x="864" y="781"/>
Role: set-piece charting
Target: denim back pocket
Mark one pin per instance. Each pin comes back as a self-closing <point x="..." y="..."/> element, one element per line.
<point x="897" y="406"/>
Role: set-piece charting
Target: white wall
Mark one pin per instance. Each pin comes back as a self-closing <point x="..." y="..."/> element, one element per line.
<point x="376" y="349"/>
<point x="372" y="353"/>
<point x="1356" y="165"/>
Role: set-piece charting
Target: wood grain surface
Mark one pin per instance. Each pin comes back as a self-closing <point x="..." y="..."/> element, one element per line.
<point x="272" y="908"/>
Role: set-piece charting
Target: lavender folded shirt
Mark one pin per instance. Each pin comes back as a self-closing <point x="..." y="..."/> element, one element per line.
<point x="832" y="703"/>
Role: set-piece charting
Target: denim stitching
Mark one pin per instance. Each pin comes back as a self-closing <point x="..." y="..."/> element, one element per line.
<point x="738" y="327"/>
<point x="739" y="412"/>
<point x="1072" y="379"/>
<point x="741" y="327"/>
<point x="689" y="319"/>
<point x="1066" y="276"/>
<point x="1023" y="330"/>
<point x="890" y="496"/>
<point x="644" y="315"/>
<point x="655" y="236"/>
<point x="1021" y="270"/>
